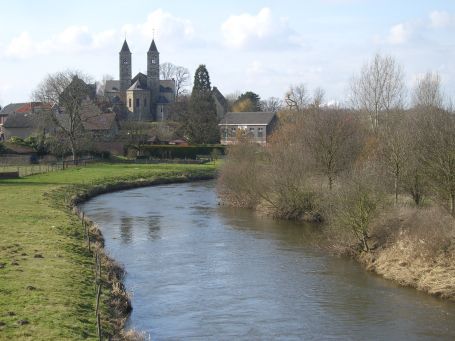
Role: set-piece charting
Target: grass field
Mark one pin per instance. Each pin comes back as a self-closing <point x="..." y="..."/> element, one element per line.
<point x="46" y="275"/>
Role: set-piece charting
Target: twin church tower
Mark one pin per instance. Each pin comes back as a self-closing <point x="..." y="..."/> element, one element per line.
<point x="145" y="96"/>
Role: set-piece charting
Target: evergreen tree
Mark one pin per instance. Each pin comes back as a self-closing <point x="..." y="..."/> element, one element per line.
<point x="247" y="102"/>
<point x="201" y="122"/>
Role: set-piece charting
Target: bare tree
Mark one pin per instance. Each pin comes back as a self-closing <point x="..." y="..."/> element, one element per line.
<point x="395" y="148"/>
<point x="297" y="97"/>
<point x="427" y="92"/>
<point x="167" y="70"/>
<point x="102" y="85"/>
<point x="66" y="91"/>
<point x="272" y="104"/>
<point x="379" y="88"/>
<point x="179" y="74"/>
<point x="437" y="154"/>
<point x="318" y="97"/>
<point x="334" y="139"/>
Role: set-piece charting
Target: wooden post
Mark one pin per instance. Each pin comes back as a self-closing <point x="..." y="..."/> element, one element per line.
<point x="98" y="323"/>
<point x="98" y="294"/>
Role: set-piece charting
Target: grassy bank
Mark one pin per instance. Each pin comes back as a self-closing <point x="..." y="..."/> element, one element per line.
<point x="47" y="288"/>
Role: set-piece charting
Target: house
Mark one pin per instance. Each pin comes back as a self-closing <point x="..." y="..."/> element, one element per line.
<point x="258" y="126"/>
<point x="23" y="119"/>
<point x="103" y="126"/>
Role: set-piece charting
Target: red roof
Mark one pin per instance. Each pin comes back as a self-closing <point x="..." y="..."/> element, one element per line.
<point x="27" y="107"/>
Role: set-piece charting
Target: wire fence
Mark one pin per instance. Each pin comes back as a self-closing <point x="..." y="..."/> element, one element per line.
<point x="8" y="170"/>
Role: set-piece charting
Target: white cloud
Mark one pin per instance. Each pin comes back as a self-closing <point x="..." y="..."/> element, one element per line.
<point x="71" y="39"/>
<point x="167" y="28"/>
<point x="261" y="30"/>
<point x="400" y="33"/>
<point x="440" y="19"/>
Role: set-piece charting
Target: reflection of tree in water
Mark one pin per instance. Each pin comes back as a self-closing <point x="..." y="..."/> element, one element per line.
<point x="126" y="229"/>
<point x="153" y="223"/>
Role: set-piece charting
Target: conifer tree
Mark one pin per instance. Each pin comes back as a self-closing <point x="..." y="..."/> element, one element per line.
<point x="201" y="123"/>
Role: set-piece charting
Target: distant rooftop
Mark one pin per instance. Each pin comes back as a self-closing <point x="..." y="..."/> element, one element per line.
<point x="247" y="118"/>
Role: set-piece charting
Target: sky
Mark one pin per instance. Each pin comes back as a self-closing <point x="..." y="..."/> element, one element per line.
<point x="260" y="46"/>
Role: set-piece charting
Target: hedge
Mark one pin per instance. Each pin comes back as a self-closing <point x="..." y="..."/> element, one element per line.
<point x="180" y="152"/>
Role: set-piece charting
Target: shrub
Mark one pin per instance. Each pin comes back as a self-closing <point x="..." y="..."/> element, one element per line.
<point x="180" y="152"/>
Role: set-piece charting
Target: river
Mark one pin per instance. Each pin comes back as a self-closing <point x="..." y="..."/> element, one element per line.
<point x="198" y="270"/>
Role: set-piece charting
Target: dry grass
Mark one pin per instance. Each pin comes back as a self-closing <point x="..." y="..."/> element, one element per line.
<point x="416" y="248"/>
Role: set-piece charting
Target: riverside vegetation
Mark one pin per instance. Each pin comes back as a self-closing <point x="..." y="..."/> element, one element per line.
<point x="47" y="288"/>
<point x="380" y="176"/>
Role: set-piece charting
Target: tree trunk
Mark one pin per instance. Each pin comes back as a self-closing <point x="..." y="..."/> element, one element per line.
<point x="396" y="190"/>
<point x="452" y="204"/>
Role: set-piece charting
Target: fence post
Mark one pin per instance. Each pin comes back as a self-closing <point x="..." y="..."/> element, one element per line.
<point x="98" y="322"/>
<point x="98" y="294"/>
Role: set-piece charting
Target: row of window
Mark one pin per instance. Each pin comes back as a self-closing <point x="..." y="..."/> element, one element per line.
<point x="138" y="103"/>
<point x="251" y="131"/>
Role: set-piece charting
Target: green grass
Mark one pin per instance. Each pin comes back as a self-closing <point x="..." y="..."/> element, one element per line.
<point x="55" y="293"/>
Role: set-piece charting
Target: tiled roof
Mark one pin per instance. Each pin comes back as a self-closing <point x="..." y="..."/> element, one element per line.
<point x="136" y="86"/>
<point x="20" y="120"/>
<point x="248" y="118"/>
<point x="105" y="121"/>
<point x="142" y="80"/>
<point x="112" y="86"/>
<point x="10" y="108"/>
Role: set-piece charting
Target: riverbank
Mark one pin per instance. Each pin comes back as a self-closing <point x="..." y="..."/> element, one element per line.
<point x="47" y="287"/>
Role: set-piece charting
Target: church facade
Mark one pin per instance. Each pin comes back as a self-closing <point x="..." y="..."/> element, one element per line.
<point x="146" y="97"/>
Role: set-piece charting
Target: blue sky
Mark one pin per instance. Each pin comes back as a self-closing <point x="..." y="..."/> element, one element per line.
<point x="262" y="46"/>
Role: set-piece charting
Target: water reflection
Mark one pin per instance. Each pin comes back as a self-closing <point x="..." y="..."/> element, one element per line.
<point x="126" y="229"/>
<point x="207" y="272"/>
<point x="153" y="223"/>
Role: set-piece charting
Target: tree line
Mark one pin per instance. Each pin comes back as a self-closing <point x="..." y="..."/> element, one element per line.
<point x="348" y="165"/>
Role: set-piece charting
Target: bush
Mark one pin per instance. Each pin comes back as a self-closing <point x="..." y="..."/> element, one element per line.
<point x="180" y="152"/>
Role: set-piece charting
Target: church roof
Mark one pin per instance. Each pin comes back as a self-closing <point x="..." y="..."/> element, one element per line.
<point x="142" y="80"/>
<point x="136" y="86"/>
<point x="153" y="46"/>
<point x="112" y="86"/>
<point x="125" y="47"/>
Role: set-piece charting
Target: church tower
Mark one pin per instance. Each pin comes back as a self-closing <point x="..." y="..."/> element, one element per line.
<point x="153" y="75"/>
<point x="125" y="68"/>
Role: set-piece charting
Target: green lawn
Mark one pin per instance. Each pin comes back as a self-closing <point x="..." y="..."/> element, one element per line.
<point x="46" y="274"/>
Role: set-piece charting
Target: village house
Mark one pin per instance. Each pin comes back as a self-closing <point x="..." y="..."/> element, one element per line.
<point x="257" y="126"/>
<point x="23" y="119"/>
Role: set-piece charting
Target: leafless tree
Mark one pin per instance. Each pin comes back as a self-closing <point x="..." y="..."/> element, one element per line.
<point x="66" y="91"/>
<point x="272" y="104"/>
<point x="334" y="138"/>
<point x="297" y="97"/>
<point x="101" y="86"/>
<point x="395" y="148"/>
<point x="379" y="88"/>
<point x="437" y="153"/>
<point x="179" y="74"/>
<point x="427" y="92"/>
<point x="318" y="97"/>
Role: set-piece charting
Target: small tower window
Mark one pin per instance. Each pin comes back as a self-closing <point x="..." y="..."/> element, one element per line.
<point x="153" y="61"/>
<point x="138" y="103"/>
<point x="129" y="102"/>
<point x="145" y="102"/>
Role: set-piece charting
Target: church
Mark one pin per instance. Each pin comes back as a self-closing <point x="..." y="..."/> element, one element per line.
<point x="146" y="97"/>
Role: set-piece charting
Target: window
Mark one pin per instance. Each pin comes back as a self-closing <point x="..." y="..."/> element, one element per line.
<point x="260" y="131"/>
<point x="129" y="102"/>
<point x="138" y="102"/>
<point x="145" y="102"/>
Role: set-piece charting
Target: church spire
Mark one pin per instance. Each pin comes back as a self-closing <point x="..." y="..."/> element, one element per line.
<point x="125" y="47"/>
<point x="153" y="47"/>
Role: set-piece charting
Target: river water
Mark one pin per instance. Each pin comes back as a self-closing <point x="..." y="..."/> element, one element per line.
<point x="200" y="271"/>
